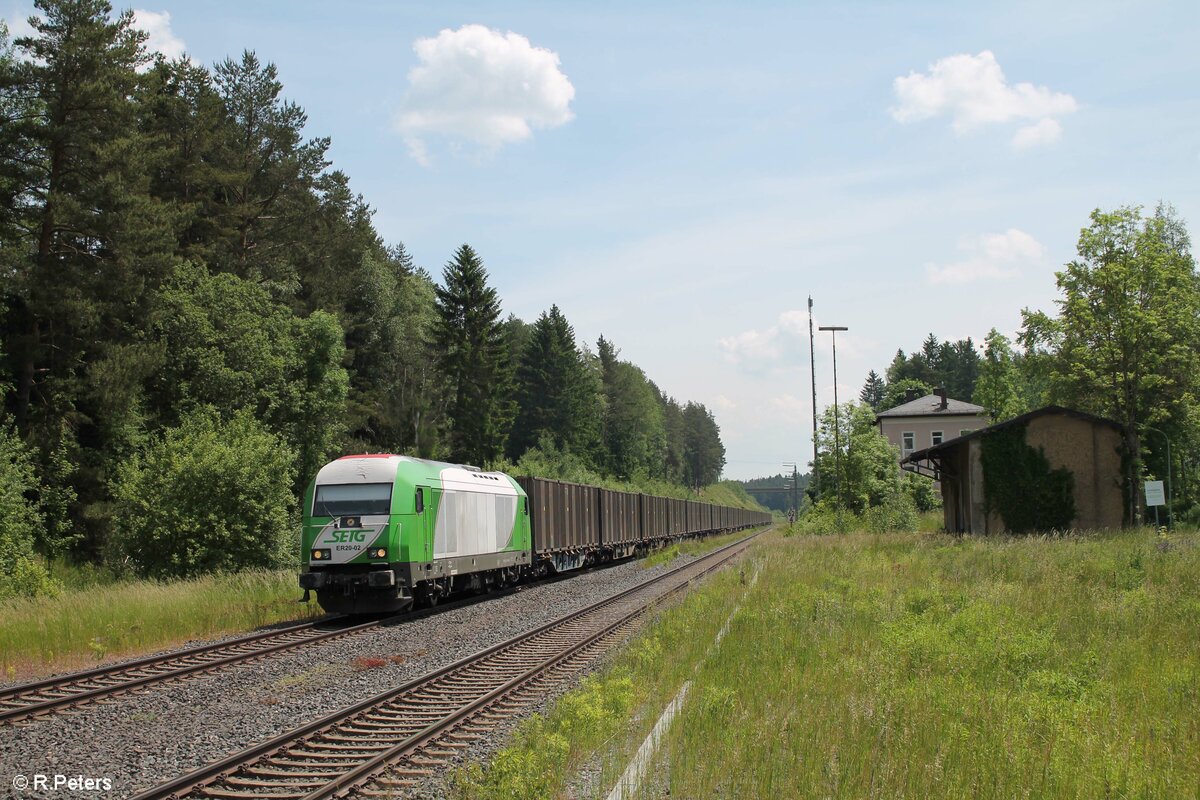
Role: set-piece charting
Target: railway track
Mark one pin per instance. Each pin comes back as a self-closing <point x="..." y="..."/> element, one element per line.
<point x="394" y="740"/>
<point x="51" y="695"/>
<point x="28" y="701"/>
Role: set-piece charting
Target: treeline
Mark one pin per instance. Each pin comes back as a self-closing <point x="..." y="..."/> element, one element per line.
<point x="778" y="501"/>
<point x="198" y="312"/>
<point x="953" y="366"/>
<point x="1124" y="344"/>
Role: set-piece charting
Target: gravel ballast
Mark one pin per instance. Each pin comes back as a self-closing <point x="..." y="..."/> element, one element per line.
<point x="141" y="739"/>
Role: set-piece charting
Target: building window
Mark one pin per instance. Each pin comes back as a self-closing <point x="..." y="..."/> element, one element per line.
<point x="935" y="438"/>
<point x="965" y="431"/>
<point x="909" y="442"/>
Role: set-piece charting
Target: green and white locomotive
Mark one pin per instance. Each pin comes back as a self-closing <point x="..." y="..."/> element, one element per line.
<point x="383" y="531"/>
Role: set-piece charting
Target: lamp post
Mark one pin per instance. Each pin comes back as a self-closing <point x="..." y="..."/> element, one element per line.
<point x="837" y="442"/>
<point x="1170" y="516"/>
<point x="812" y="365"/>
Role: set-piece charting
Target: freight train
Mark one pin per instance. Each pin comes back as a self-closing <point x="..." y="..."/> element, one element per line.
<point x="384" y="532"/>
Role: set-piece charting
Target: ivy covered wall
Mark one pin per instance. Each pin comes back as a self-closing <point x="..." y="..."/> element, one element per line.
<point x="1020" y="485"/>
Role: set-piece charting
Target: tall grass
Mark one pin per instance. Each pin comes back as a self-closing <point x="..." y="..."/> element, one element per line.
<point x="910" y="666"/>
<point x="925" y="666"/>
<point x="606" y="718"/>
<point x="86" y="624"/>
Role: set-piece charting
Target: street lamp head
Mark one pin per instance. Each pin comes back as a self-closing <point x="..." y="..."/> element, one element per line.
<point x="832" y="328"/>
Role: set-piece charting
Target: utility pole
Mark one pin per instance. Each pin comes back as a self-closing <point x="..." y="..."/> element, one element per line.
<point x="812" y="363"/>
<point x="837" y="444"/>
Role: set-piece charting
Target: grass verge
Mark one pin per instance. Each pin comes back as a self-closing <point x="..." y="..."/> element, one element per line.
<point x="606" y="718"/>
<point x="85" y="625"/>
<point x="909" y="665"/>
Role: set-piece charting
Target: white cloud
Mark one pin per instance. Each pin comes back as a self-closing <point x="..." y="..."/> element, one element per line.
<point x="992" y="256"/>
<point x="975" y="93"/>
<point x="724" y="403"/>
<point x="1045" y="132"/>
<point x="157" y="24"/>
<point x="482" y="86"/>
<point x="783" y="343"/>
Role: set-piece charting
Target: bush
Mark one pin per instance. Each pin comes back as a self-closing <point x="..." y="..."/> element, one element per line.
<point x="21" y="522"/>
<point x="920" y="491"/>
<point x="208" y="496"/>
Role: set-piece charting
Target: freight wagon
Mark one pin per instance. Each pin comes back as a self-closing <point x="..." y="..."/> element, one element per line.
<point x="384" y="532"/>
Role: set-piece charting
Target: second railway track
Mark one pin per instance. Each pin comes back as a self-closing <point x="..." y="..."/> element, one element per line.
<point x="35" y="699"/>
<point x="396" y="739"/>
<point x="47" y="696"/>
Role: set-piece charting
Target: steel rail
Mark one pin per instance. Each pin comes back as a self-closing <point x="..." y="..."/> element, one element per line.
<point x="380" y="764"/>
<point x="48" y="695"/>
<point x="203" y="778"/>
<point x="53" y="694"/>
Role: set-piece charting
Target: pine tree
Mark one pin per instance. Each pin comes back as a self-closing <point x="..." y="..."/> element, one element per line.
<point x="86" y="276"/>
<point x="474" y="361"/>
<point x="266" y="174"/>
<point x="632" y="430"/>
<point x="872" y="391"/>
<point x="556" y="394"/>
<point x="704" y="455"/>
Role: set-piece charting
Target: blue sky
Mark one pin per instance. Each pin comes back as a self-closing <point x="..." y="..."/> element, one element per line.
<point x="681" y="176"/>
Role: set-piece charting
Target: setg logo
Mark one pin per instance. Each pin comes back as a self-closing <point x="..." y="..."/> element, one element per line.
<point x="347" y="537"/>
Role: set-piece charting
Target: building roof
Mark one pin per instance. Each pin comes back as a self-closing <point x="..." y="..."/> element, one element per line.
<point x="923" y="455"/>
<point x="931" y="406"/>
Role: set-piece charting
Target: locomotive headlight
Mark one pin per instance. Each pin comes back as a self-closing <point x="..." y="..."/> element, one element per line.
<point x="321" y="554"/>
<point x="380" y="552"/>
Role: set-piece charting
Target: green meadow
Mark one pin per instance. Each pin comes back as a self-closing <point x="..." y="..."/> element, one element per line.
<point x="901" y="666"/>
<point x="85" y="624"/>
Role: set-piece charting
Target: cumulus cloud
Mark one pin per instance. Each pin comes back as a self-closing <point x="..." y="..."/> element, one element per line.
<point x="973" y="91"/>
<point x="157" y="25"/>
<point x="992" y="256"/>
<point x="785" y="342"/>
<point x="482" y="86"/>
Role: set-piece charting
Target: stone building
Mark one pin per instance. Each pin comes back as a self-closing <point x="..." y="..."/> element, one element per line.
<point x="1050" y="469"/>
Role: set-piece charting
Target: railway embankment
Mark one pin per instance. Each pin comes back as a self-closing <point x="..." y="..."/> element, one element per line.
<point x="898" y="665"/>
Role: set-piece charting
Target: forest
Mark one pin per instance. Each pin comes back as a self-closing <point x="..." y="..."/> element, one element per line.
<point x="198" y="312"/>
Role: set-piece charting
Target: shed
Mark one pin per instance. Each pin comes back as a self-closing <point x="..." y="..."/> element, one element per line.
<point x="1053" y="468"/>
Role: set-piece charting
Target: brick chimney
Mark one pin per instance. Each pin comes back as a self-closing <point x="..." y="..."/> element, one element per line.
<point x="911" y="394"/>
<point x="941" y="392"/>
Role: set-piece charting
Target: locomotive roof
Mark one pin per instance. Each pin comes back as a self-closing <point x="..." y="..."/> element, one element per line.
<point x="386" y="468"/>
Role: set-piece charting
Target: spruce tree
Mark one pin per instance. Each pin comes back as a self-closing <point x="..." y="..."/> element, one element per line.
<point x="474" y="361"/>
<point x="632" y="431"/>
<point x="556" y="394"/>
<point x="872" y="391"/>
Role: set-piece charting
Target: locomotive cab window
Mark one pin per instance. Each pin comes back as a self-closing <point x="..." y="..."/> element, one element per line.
<point x="420" y="500"/>
<point x="352" y="499"/>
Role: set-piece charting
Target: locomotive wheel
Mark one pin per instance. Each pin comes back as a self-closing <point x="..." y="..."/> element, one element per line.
<point x="426" y="596"/>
